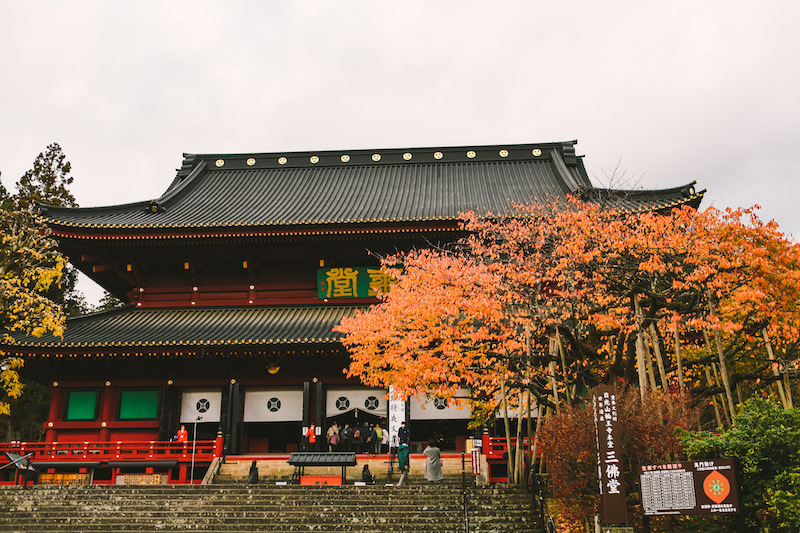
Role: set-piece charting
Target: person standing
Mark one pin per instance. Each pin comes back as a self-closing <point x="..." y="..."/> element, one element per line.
<point x="433" y="463"/>
<point x="378" y="439"/>
<point x="385" y="441"/>
<point x="183" y="435"/>
<point x="403" y="462"/>
<point x="347" y="438"/>
<point x="252" y="478"/>
<point x="372" y="436"/>
<point x="365" y="431"/>
<point x="312" y="437"/>
<point x="333" y="430"/>
<point x="403" y="434"/>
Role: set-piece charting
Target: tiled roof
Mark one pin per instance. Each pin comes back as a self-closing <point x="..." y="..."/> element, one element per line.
<point x="132" y="327"/>
<point x="343" y="187"/>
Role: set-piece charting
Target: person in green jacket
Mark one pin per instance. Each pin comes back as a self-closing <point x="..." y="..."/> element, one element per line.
<point x="403" y="460"/>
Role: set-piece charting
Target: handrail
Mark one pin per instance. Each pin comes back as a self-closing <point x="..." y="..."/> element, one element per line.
<point x="113" y="451"/>
<point x="213" y="470"/>
<point x="465" y="494"/>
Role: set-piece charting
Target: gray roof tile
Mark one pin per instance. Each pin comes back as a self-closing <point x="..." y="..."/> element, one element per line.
<point x="140" y="328"/>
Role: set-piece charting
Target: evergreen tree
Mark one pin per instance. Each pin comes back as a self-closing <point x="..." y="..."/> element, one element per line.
<point x="47" y="181"/>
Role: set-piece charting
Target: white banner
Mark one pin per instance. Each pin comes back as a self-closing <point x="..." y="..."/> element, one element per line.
<point x="397" y="415"/>
<point x="205" y="404"/>
<point x="273" y="405"/>
<point x="433" y="408"/>
<point x="341" y="401"/>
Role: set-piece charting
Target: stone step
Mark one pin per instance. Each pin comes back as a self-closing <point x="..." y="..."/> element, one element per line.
<point x="270" y="508"/>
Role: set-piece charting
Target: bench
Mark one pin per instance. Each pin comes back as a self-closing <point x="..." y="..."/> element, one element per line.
<point x="300" y="460"/>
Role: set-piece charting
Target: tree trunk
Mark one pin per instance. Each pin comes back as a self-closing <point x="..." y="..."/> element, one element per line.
<point x="560" y="348"/>
<point x="552" y="366"/>
<point x="507" y="427"/>
<point x="775" y="371"/>
<point x="723" y="369"/>
<point x="679" y="360"/>
<point x="518" y="451"/>
<point x="788" y="388"/>
<point x="713" y="398"/>
<point x="640" y="361"/>
<point x="726" y="414"/>
<point x="662" y="374"/>
<point x="649" y="359"/>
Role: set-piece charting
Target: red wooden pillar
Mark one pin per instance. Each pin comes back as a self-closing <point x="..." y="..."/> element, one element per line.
<point x="56" y="409"/>
<point x="107" y="411"/>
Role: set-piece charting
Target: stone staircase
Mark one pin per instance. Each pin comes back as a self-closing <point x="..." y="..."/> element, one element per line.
<point x="265" y="508"/>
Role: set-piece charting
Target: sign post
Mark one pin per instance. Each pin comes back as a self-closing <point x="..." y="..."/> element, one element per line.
<point x="609" y="461"/>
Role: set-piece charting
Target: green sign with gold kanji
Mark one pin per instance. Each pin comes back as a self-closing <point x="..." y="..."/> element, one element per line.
<point x="353" y="282"/>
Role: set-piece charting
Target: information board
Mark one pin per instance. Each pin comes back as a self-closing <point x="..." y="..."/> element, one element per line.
<point x="691" y="487"/>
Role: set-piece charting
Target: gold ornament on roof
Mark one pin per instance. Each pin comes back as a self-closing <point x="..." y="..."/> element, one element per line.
<point x="345" y="158"/>
<point x="471" y="154"/>
<point x="219" y="162"/>
<point x="251" y="161"/>
<point x="503" y="153"/>
<point x="438" y="155"/>
<point x="407" y="156"/>
<point x="314" y="159"/>
<point x="376" y="157"/>
<point x="536" y="152"/>
<point x="282" y="160"/>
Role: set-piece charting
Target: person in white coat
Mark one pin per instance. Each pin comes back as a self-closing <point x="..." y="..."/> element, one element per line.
<point x="433" y="464"/>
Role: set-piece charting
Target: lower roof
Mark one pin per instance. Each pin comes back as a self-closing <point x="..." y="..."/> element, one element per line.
<point x="132" y="327"/>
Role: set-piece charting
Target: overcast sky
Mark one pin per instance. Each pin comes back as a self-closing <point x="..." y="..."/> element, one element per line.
<point x="664" y="92"/>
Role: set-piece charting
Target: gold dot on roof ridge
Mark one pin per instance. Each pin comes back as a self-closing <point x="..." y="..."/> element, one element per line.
<point x="219" y="162"/>
<point x="282" y="160"/>
<point x="438" y="155"/>
<point x="376" y="157"/>
<point x="407" y="156"/>
<point x="251" y="161"/>
<point x="536" y="152"/>
<point x="314" y="159"/>
<point x="471" y="154"/>
<point x="345" y="158"/>
<point x="503" y="153"/>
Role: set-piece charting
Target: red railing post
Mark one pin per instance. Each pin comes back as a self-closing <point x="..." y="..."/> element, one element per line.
<point x="218" y="444"/>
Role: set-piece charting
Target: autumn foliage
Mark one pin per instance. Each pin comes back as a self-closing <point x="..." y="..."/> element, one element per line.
<point x="615" y="289"/>
<point x="649" y="436"/>
<point x="29" y="265"/>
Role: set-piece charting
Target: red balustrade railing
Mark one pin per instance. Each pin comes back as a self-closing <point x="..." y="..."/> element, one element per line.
<point x="202" y="450"/>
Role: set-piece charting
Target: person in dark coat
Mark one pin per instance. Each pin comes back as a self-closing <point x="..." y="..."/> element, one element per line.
<point x="372" y="436"/>
<point x="252" y="479"/>
<point x="403" y="462"/>
<point x="347" y="438"/>
<point x="366" y="476"/>
<point x="403" y="434"/>
<point x="364" y="437"/>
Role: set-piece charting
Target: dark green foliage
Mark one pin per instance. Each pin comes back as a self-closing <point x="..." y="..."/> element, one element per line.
<point x="47" y="181"/>
<point x="766" y="441"/>
<point x="28" y="414"/>
<point x="109" y="301"/>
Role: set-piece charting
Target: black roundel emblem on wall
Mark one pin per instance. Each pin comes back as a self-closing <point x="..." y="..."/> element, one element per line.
<point x="342" y="403"/>
<point x="203" y="405"/>
<point x="274" y="404"/>
<point x="371" y="403"/>
<point x="440" y="403"/>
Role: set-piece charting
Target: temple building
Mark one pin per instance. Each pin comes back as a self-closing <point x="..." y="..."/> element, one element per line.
<point x="236" y="275"/>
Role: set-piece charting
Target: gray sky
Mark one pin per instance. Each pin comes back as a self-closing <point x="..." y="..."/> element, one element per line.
<point x="666" y="92"/>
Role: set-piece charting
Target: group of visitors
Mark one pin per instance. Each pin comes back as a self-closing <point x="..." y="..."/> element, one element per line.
<point x="432" y="453"/>
<point x="363" y="438"/>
